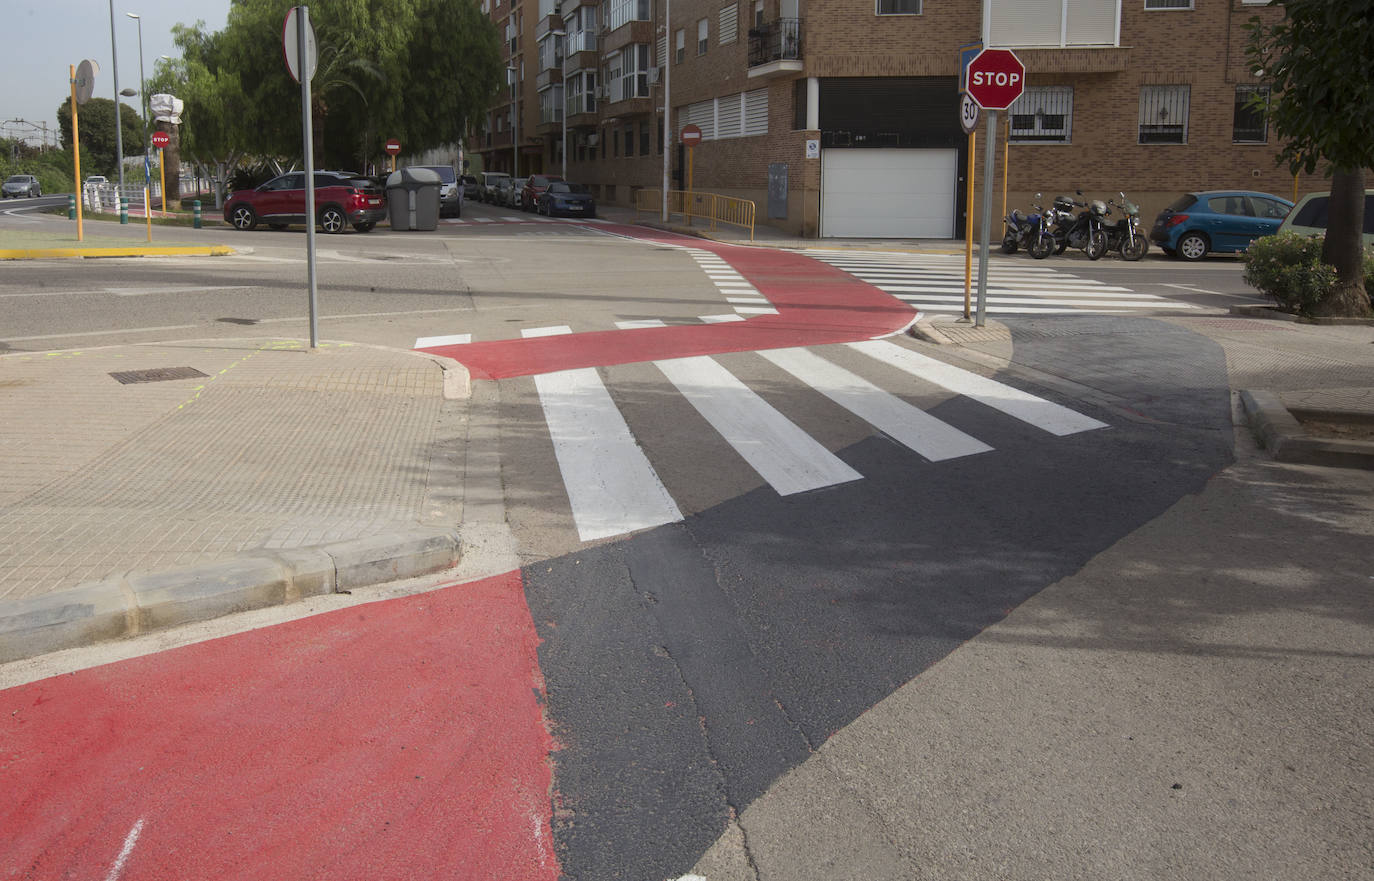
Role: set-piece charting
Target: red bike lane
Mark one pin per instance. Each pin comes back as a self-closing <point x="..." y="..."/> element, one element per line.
<point x="398" y="739"/>
<point x="817" y="305"/>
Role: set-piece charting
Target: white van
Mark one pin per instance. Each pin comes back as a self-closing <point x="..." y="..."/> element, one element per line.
<point x="1308" y="217"/>
<point x="486" y="191"/>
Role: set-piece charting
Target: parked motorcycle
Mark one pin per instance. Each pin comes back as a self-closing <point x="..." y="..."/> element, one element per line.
<point x="1045" y="242"/>
<point x="1125" y="235"/>
<point x="1087" y="230"/>
<point x="1022" y="229"/>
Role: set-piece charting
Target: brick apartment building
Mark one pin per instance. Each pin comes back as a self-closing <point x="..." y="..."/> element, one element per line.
<point x="1145" y="96"/>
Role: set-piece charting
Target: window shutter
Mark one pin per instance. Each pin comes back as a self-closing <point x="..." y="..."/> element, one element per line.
<point x="756" y="112"/>
<point x="730" y="116"/>
<point x="729" y="23"/>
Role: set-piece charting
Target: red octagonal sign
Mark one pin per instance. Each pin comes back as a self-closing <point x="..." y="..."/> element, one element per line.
<point x="996" y="78"/>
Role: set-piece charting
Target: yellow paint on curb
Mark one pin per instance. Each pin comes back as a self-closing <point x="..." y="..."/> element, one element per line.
<point x="163" y="251"/>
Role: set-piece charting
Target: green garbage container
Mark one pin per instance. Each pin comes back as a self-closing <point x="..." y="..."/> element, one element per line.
<point x="412" y="199"/>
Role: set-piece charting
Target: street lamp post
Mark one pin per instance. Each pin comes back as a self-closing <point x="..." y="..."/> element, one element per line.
<point x="119" y="132"/>
<point x="143" y="90"/>
<point x="564" y="35"/>
<point x="667" y="100"/>
<point x="515" y="118"/>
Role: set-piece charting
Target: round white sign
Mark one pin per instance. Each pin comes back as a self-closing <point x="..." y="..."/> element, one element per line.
<point x="290" y="47"/>
<point x="968" y="112"/>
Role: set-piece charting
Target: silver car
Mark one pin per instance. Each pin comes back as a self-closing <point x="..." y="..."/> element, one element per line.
<point x="17" y="185"/>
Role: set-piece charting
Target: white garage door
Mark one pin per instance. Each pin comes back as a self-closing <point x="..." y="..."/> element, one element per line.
<point x="880" y="193"/>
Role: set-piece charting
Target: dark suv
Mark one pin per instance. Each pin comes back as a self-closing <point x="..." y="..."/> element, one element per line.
<point x="535" y="185"/>
<point x="341" y="199"/>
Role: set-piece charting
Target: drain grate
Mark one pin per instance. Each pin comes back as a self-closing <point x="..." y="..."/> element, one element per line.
<point x="244" y="321"/>
<point x="157" y="374"/>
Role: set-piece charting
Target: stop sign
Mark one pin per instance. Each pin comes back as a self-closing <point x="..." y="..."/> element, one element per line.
<point x="996" y="78"/>
<point x="160" y="139"/>
<point x="393" y="147"/>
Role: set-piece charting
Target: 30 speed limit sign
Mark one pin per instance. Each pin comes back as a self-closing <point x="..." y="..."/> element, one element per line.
<point x="968" y="113"/>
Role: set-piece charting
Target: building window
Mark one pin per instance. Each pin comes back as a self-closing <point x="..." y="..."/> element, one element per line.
<point x="622" y="12"/>
<point x="899" y="7"/>
<point x="701" y="37"/>
<point x="629" y="141"/>
<point x="644" y="138"/>
<point x="1250" y="124"/>
<point x="1168" y="4"/>
<point x="729" y="24"/>
<point x="1163" y="115"/>
<point x="1043" y="113"/>
<point x="743" y="114"/>
<point x="681" y="46"/>
<point x="758" y="13"/>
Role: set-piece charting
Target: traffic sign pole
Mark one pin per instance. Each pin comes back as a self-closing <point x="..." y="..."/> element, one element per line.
<point x="987" y="219"/>
<point x="304" y="38"/>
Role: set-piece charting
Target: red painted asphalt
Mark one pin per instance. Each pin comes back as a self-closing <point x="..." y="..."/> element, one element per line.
<point x="393" y="740"/>
<point x="817" y="304"/>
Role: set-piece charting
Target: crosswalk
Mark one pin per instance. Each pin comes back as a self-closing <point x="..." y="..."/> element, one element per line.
<point x="613" y="488"/>
<point x="935" y="283"/>
<point x="484" y="220"/>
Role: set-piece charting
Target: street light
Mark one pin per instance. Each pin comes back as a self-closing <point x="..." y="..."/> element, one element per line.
<point x="143" y="90"/>
<point x="119" y="132"/>
<point x="564" y="34"/>
<point x="515" y="116"/>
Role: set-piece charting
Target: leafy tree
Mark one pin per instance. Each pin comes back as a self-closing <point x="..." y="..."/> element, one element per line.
<point x="1318" y="58"/>
<point x="97" y="121"/>
<point x="416" y="70"/>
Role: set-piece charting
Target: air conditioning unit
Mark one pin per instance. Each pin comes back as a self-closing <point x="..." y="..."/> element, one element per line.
<point x="653" y="75"/>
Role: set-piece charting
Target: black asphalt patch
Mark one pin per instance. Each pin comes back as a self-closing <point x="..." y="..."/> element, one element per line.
<point x="689" y="667"/>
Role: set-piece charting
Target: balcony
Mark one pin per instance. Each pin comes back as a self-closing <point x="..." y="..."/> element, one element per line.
<point x="775" y="47"/>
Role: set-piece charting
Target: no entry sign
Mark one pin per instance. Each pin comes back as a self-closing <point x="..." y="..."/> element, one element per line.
<point x="996" y="78"/>
<point x="691" y="135"/>
<point x="393" y="147"/>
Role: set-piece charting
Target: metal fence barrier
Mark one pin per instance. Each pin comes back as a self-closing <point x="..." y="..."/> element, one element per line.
<point x="709" y="207"/>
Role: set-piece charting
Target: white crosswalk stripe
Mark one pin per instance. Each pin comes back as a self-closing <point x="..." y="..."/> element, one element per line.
<point x="935" y="283"/>
<point x="613" y="488"/>
<point x="611" y="485"/>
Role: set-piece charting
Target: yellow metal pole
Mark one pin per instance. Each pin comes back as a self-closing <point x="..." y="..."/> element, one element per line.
<point x="1006" y="168"/>
<point x="968" y="235"/>
<point x="687" y="197"/>
<point x="162" y="176"/>
<point x="76" y="152"/>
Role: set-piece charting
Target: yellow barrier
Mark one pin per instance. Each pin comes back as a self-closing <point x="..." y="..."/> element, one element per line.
<point x="710" y="207"/>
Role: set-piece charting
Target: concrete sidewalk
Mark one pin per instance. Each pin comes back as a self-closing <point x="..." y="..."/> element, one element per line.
<point x="150" y="485"/>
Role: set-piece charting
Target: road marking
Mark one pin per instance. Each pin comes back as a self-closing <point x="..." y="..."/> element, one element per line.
<point x="756" y="310"/>
<point x="453" y="339"/>
<point x="129" y="841"/>
<point x="720" y="319"/>
<point x="746" y="300"/>
<point x="556" y="330"/>
<point x="788" y="458"/>
<point x="611" y="486"/>
<point x="1051" y="417"/>
<point x="641" y="322"/>
<point x="904" y="423"/>
<point x="186" y="289"/>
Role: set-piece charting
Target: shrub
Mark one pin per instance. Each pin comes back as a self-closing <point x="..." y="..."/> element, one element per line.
<point x="1288" y="268"/>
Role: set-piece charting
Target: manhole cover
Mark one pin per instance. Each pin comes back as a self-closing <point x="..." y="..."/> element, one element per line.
<point x="157" y="374"/>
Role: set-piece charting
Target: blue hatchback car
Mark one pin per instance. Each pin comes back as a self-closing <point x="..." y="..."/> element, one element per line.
<point x="1197" y="224"/>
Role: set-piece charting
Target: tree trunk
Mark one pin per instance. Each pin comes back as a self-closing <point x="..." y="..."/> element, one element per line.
<point x="1344" y="248"/>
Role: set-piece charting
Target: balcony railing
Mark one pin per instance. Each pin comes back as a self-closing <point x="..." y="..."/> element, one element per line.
<point x="777" y="40"/>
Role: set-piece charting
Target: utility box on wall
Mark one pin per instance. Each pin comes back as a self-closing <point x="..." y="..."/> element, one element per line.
<point x="777" y="191"/>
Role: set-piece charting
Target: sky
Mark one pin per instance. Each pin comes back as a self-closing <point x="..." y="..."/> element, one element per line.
<point x="44" y="37"/>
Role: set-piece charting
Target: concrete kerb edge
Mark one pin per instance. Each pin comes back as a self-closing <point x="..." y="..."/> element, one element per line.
<point x="1282" y="435"/>
<point x="135" y="603"/>
<point x="117" y="251"/>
